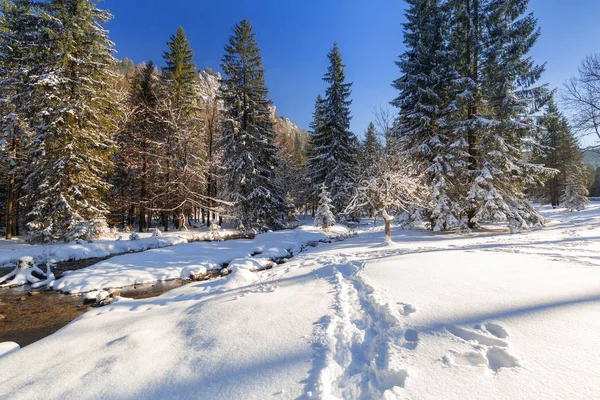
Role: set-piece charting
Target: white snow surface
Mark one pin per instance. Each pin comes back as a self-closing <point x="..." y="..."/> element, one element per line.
<point x="186" y="259"/>
<point x="8" y="347"/>
<point x="12" y="250"/>
<point x="432" y="316"/>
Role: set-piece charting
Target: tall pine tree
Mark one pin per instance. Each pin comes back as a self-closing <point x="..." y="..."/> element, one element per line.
<point x="334" y="148"/>
<point x="249" y="158"/>
<point x="20" y="33"/>
<point x="492" y="39"/>
<point x="72" y="131"/>
<point x="428" y="101"/>
<point x="183" y="166"/>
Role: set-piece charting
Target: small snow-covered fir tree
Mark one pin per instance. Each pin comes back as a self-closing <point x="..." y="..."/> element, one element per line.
<point x="250" y="160"/>
<point x="324" y="217"/>
<point x="574" y="197"/>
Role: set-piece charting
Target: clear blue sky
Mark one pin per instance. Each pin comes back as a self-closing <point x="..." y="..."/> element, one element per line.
<point x="295" y="36"/>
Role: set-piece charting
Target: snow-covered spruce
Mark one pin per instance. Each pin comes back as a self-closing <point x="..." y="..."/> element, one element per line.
<point x="324" y="217"/>
<point x="574" y="198"/>
<point x="250" y="162"/>
<point x="332" y="159"/>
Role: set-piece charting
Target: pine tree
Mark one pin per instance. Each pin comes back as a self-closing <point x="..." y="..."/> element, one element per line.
<point x="324" y="217"/>
<point x="184" y="142"/>
<point x="428" y="102"/>
<point x="249" y="158"/>
<point x="71" y="145"/>
<point x="20" y="28"/>
<point x="492" y="39"/>
<point x="559" y="149"/>
<point x="574" y="197"/>
<point x="334" y="149"/>
<point x="371" y="151"/>
<point x="180" y="70"/>
<point x="316" y="164"/>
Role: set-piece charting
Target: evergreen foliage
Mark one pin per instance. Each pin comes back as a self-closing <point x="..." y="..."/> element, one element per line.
<point x="73" y="100"/>
<point x="324" y="217"/>
<point x="333" y="147"/>
<point x="20" y="28"/>
<point x="574" y="197"/>
<point x="559" y="149"/>
<point x="250" y="159"/>
<point x="429" y="102"/>
<point x="466" y="100"/>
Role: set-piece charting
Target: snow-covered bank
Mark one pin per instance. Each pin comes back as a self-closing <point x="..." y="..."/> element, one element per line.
<point x="187" y="259"/>
<point x="479" y="316"/>
<point x="10" y="252"/>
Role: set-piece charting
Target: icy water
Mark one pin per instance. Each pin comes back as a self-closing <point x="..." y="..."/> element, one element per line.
<point x="29" y="318"/>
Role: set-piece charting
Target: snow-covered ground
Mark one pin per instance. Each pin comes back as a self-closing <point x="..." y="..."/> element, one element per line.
<point x="434" y="316"/>
<point x="12" y="250"/>
<point x="187" y="259"/>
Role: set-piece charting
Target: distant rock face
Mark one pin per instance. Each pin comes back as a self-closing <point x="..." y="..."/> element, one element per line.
<point x="292" y="140"/>
<point x="208" y="84"/>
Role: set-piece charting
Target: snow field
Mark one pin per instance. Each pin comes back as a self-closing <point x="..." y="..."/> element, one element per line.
<point x="479" y="316"/>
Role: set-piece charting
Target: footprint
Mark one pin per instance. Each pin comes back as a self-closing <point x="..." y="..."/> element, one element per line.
<point x="496" y="330"/>
<point x="406" y="309"/>
<point x="469" y="359"/>
<point x="469" y="335"/>
<point x="411" y="337"/>
<point x="391" y="378"/>
<point x="499" y="358"/>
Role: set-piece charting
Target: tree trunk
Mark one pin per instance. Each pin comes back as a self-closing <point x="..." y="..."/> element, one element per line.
<point x="388" y="230"/>
<point x="388" y="225"/>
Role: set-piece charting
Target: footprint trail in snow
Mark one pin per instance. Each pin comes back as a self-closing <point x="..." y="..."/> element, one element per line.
<point x="366" y="339"/>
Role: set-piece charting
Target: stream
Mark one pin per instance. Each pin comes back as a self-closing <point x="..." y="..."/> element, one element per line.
<point x="27" y="316"/>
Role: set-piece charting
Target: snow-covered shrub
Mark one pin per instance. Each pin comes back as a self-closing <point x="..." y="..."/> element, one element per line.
<point x="156" y="232"/>
<point x="574" y="198"/>
<point x="214" y="231"/>
<point x="134" y="236"/>
<point x="324" y="217"/>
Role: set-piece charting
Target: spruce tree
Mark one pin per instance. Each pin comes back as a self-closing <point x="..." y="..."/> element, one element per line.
<point x="316" y="162"/>
<point x="574" y="197"/>
<point x="559" y="149"/>
<point x="139" y="148"/>
<point x="371" y="151"/>
<point x="183" y="166"/>
<point x="20" y="28"/>
<point x="324" y="217"/>
<point x="250" y="160"/>
<point x="492" y="39"/>
<point x="72" y="132"/>
<point x="334" y="150"/>
<point x="180" y="70"/>
<point x="428" y="102"/>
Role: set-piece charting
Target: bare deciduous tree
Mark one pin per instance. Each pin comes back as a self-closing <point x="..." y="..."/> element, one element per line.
<point x="582" y="96"/>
